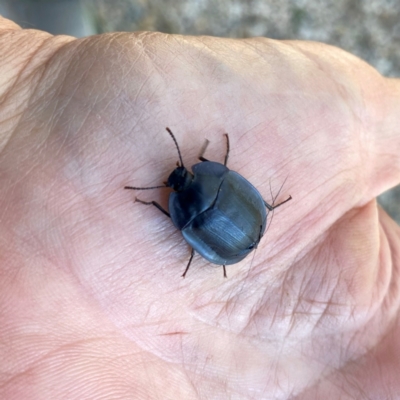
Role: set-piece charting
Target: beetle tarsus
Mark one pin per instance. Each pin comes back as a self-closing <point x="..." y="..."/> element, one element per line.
<point x="155" y="204"/>
<point x="146" y="188"/>
<point x="188" y="265"/>
<point x="270" y="208"/>
<point x="225" y="276"/>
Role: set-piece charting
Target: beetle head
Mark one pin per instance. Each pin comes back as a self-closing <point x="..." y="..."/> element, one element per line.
<point x="180" y="179"/>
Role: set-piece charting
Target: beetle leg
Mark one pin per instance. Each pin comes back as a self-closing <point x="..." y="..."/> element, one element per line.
<point x="259" y="238"/>
<point x="188" y="265"/>
<point x="270" y="208"/>
<point x="203" y="150"/>
<point x="227" y="149"/>
<point x="224" y="271"/>
<point x="155" y="204"/>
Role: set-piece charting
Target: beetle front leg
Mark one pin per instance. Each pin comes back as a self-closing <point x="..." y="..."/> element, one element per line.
<point x="155" y="204"/>
<point x="203" y="150"/>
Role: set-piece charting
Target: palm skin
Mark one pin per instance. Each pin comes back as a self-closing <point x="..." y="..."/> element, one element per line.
<point x="92" y="303"/>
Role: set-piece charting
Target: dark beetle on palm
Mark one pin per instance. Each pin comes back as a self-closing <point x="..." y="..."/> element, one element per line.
<point x="220" y="214"/>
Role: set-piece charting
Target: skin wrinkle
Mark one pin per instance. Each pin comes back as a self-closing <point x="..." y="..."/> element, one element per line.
<point x="325" y="314"/>
<point x="301" y="299"/>
<point x="42" y="68"/>
<point x="46" y="356"/>
<point x="20" y="72"/>
<point x="362" y="147"/>
<point x="210" y="55"/>
<point x="46" y="137"/>
<point x="368" y="351"/>
<point x="393" y="290"/>
<point x="308" y="246"/>
<point x="340" y="88"/>
<point x="293" y="312"/>
<point x="71" y="67"/>
<point x="33" y="67"/>
<point x="160" y="70"/>
<point x="6" y="139"/>
<point x="283" y="295"/>
<point x="255" y="310"/>
<point x="145" y="52"/>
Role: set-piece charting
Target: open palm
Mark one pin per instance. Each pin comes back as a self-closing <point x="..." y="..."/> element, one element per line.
<point x="92" y="302"/>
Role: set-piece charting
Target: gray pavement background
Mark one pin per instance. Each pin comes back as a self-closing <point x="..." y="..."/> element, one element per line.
<point x="369" y="29"/>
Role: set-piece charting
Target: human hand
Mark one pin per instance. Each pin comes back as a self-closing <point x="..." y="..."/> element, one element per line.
<point x="92" y="302"/>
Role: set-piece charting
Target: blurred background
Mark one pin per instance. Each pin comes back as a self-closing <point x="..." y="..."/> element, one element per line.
<point x="368" y="29"/>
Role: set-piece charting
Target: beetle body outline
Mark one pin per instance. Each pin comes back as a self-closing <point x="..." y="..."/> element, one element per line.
<point x="221" y="215"/>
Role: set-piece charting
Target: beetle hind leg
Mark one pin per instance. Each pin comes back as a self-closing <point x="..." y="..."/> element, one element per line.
<point x="188" y="265"/>
<point x="225" y="276"/>
<point x="227" y="149"/>
<point x="155" y="204"/>
<point x="270" y="208"/>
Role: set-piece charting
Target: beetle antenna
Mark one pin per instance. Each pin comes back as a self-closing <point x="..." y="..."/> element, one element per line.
<point x="144" y="188"/>
<point x="176" y="144"/>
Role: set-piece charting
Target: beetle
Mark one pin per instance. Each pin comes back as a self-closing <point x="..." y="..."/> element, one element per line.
<point x="221" y="215"/>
